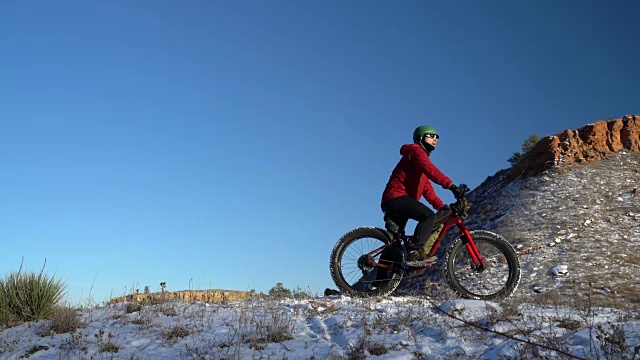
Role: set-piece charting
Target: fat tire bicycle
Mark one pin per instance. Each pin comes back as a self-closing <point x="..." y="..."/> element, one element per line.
<point x="371" y="261"/>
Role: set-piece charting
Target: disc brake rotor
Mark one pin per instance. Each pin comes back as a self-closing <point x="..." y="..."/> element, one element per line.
<point x="363" y="264"/>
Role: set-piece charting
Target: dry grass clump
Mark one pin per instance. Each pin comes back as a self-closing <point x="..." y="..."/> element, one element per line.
<point x="613" y="343"/>
<point x="141" y="320"/>
<point x="106" y="346"/>
<point x="34" y="349"/>
<point x="64" y="319"/>
<point x="365" y="345"/>
<point x="261" y="323"/>
<point x="252" y="324"/>
<point x="273" y="327"/>
<point x="167" y="309"/>
<point x="178" y="332"/>
<point x="76" y="340"/>
<point x="569" y="324"/>
<point x="630" y="260"/>
<point x="510" y="311"/>
<point x="539" y="340"/>
<point x="132" y="307"/>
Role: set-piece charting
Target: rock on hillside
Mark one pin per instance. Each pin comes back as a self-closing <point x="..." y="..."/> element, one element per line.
<point x="590" y="143"/>
<point x="579" y="213"/>
<point x="205" y="296"/>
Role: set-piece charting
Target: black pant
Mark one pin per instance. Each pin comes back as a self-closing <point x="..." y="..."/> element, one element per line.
<point x="406" y="207"/>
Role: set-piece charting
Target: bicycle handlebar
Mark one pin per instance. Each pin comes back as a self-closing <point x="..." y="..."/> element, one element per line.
<point x="465" y="190"/>
<point x="461" y="205"/>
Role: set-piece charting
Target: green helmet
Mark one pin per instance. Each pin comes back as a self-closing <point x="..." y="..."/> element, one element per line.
<point x="419" y="132"/>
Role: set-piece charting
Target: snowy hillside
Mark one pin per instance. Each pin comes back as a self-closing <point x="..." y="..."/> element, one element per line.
<point x="573" y="225"/>
<point x="331" y="328"/>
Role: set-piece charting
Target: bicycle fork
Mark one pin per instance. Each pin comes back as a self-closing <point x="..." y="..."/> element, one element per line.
<point x="476" y="258"/>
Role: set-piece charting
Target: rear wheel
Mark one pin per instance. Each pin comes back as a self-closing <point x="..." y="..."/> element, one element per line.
<point x="351" y="271"/>
<point x="500" y="277"/>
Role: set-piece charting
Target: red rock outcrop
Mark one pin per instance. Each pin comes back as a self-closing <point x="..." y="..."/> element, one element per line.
<point x="206" y="296"/>
<point x="592" y="142"/>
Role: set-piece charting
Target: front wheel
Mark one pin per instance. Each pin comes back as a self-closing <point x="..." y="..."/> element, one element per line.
<point x="496" y="281"/>
<point x="351" y="270"/>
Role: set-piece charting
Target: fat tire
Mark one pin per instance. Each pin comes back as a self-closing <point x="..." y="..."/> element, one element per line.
<point x="508" y="256"/>
<point x="385" y="287"/>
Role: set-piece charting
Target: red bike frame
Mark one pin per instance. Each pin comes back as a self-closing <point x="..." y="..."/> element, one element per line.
<point x="453" y="219"/>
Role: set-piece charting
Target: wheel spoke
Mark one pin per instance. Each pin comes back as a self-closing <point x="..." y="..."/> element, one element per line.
<point x="497" y="279"/>
<point x="354" y="273"/>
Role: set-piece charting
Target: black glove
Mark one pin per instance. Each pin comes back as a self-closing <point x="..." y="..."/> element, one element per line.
<point x="445" y="210"/>
<point x="457" y="191"/>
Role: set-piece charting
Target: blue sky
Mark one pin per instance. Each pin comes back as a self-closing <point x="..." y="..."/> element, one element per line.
<point x="229" y="144"/>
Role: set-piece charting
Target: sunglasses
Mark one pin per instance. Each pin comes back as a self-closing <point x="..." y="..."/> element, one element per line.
<point x="433" y="136"/>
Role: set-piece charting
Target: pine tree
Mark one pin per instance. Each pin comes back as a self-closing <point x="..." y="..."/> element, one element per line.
<point x="279" y="291"/>
<point x="526" y="146"/>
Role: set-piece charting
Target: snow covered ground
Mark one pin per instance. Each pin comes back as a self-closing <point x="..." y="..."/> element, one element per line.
<point x="334" y="327"/>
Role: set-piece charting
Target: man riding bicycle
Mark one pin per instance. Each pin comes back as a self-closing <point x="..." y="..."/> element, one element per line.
<point x="411" y="180"/>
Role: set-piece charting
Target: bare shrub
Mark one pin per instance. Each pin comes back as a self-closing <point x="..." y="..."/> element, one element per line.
<point x="64" y="320"/>
<point x="613" y="343"/>
<point x="365" y="345"/>
<point x="178" y="332"/>
<point x="107" y="346"/>
<point x="569" y="324"/>
<point x="377" y="349"/>
<point x="260" y="323"/>
<point x="142" y="320"/>
<point x="167" y="310"/>
<point x="509" y="311"/>
<point x="276" y="326"/>
<point x="75" y="340"/>
<point x="628" y="290"/>
<point x="302" y="294"/>
<point x="132" y="307"/>
<point x="34" y="349"/>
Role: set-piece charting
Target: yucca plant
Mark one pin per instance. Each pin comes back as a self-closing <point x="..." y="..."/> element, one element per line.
<point x="4" y="312"/>
<point x="26" y="296"/>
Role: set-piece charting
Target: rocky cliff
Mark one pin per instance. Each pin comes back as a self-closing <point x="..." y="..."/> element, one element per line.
<point x="205" y="296"/>
<point x="592" y="142"/>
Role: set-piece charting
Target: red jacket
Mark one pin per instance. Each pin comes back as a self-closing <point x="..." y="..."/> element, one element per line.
<point x="413" y="175"/>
